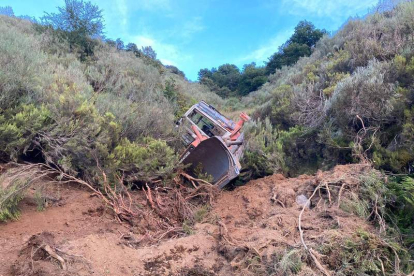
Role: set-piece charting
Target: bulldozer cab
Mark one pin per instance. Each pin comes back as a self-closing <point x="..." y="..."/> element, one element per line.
<point x="214" y="144"/>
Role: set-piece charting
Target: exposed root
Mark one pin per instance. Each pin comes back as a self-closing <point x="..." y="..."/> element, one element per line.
<point x="238" y="261"/>
<point x="41" y="247"/>
<point x="309" y="250"/>
<point x="52" y="253"/>
<point x="173" y="207"/>
<point x="340" y="194"/>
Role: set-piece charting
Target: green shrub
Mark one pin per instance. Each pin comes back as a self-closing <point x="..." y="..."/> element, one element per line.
<point x="365" y="254"/>
<point x="367" y="94"/>
<point x="401" y="207"/>
<point x="19" y="126"/>
<point x="261" y="156"/>
<point x="370" y="200"/>
<point x="22" y="64"/>
<point x="9" y="200"/>
<point x="143" y="162"/>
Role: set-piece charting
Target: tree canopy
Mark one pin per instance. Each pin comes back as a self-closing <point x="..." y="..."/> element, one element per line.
<point x="77" y="16"/>
<point x="78" y="22"/>
<point x="298" y="45"/>
<point x="228" y="80"/>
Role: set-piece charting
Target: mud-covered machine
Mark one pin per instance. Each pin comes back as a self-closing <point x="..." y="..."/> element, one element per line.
<point x="214" y="143"/>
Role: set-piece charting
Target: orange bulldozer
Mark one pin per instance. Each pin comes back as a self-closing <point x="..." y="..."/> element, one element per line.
<point x="214" y="143"/>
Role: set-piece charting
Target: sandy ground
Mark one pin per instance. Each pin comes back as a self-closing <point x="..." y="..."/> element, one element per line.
<point x="244" y="228"/>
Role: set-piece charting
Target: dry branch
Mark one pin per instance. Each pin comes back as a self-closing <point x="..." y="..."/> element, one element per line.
<point x="309" y="250"/>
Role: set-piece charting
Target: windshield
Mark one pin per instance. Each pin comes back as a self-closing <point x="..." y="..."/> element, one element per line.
<point x="205" y="124"/>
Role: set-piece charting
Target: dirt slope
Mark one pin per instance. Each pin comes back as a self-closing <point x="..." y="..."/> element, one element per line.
<point x="245" y="232"/>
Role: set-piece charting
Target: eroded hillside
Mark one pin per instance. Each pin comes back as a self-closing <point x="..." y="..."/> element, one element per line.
<point x="251" y="230"/>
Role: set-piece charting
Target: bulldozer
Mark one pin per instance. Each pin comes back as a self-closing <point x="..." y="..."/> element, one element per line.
<point x="213" y="143"/>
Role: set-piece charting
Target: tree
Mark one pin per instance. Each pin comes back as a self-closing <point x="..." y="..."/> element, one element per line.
<point x="77" y="16"/>
<point x="175" y="70"/>
<point x="299" y="45"/>
<point x="111" y="42"/>
<point x="149" y="52"/>
<point x="7" y="10"/>
<point x="78" y="21"/>
<point x="119" y="44"/>
<point x="251" y="79"/>
<point x="223" y="81"/>
<point x="131" y="47"/>
<point x="306" y="33"/>
<point x="204" y="74"/>
<point x="227" y="75"/>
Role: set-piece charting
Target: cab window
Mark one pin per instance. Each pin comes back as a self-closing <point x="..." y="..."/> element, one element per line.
<point x="205" y="124"/>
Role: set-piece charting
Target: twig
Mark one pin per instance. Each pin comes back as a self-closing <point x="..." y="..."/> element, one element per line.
<point x="329" y="192"/>
<point x="382" y="265"/>
<point x="309" y="250"/>
<point x="189" y="177"/>
<point x="53" y="254"/>
<point x="149" y="196"/>
<point x="339" y="194"/>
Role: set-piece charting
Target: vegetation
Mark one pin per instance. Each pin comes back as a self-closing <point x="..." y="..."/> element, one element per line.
<point x="351" y="100"/>
<point x="77" y="23"/>
<point x="78" y="104"/>
<point x="100" y="111"/>
<point x="229" y="81"/>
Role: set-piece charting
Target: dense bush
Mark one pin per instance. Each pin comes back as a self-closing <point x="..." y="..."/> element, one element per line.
<point x="20" y="59"/>
<point x="353" y="96"/>
<point x="111" y="114"/>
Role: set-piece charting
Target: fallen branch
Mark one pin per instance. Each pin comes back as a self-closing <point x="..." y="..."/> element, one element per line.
<point x="309" y="250"/>
<point x="54" y="255"/>
<point x="189" y="177"/>
<point x="340" y="194"/>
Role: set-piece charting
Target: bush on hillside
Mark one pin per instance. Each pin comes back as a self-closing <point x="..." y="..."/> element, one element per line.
<point x="107" y="115"/>
<point x="354" y="93"/>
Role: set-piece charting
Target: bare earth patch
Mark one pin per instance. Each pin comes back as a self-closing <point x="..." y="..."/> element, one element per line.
<point x="245" y="232"/>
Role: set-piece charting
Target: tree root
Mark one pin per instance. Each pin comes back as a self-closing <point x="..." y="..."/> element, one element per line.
<point x="310" y="250"/>
<point x="52" y="253"/>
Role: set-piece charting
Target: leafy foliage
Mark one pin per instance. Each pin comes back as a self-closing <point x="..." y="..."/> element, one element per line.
<point x="7" y="11"/>
<point x="149" y="52"/>
<point x="111" y="114"/>
<point x="364" y="254"/>
<point x="227" y="80"/>
<point x="299" y="45"/>
<point x="401" y="206"/>
<point x="77" y="17"/>
<point x="77" y="22"/>
<point x="352" y="97"/>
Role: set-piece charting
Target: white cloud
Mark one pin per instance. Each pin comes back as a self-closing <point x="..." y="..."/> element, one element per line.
<point x="167" y="53"/>
<point x="195" y="25"/>
<point x="168" y="62"/>
<point x="333" y="9"/>
<point x="262" y="53"/>
<point x="123" y="11"/>
<point x="118" y="12"/>
<point x="151" y="5"/>
<point x="144" y="41"/>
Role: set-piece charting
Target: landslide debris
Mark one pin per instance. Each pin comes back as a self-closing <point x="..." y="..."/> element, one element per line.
<point x="251" y="230"/>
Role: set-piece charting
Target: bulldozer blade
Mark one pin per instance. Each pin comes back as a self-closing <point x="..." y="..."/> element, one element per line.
<point x="214" y="159"/>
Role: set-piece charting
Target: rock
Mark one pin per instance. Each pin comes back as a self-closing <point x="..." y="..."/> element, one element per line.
<point x="302" y="200"/>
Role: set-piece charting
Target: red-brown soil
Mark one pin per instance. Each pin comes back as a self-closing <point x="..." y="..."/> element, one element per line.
<point x="245" y="228"/>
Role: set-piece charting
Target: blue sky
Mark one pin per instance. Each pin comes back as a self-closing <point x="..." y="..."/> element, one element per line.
<point x="195" y="34"/>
